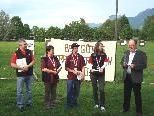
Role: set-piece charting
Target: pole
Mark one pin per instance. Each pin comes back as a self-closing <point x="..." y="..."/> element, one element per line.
<point x="116" y="33"/>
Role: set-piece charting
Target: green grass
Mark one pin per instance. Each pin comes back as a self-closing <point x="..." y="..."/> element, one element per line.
<point x="114" y="90"/>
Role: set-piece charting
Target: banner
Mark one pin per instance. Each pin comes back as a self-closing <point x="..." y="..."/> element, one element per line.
<point x="62" y="49"/>
<point x="30" y="45"/>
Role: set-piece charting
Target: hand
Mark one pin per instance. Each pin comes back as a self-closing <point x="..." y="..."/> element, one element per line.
<point x="101" y="70"/>
<point x="125" y="65"/>
<point x="92" y="70"/>
<point x="54" y="72"/>
<point x="25" y="68"/>
<point x="132" y="66"/>
<point x="44" y="69"/>
<point x="74" y="72"/>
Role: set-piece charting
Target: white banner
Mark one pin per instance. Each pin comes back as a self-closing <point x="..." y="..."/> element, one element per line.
<point x="62" y="49"/>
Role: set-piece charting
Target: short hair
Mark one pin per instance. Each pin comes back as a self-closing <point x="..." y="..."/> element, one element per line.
<point x="135" y="41"/>
<point x="21" y="40"/>
<point x="48" y="48"/>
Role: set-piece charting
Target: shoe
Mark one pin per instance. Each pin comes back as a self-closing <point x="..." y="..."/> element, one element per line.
<point x="102" y="109"/>
<point x="138" y="114"/>
<point x="96" y="106"/>
<point x="123" y="111"/>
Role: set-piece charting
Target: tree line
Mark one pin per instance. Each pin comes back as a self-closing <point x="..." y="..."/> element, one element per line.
<point x="13" y="28"/>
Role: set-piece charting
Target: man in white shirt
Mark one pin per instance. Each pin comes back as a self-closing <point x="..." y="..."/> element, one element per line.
<point x="133" y="63"/>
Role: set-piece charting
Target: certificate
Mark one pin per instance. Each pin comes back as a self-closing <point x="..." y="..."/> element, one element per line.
<point x="21" y="63"/>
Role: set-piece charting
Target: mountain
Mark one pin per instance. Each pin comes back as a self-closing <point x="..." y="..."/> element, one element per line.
<point x="93" y="25"/>
<point x="137" y="22"/>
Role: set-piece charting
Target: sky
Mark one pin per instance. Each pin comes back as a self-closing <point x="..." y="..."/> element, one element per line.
<point x="46" y="13"/>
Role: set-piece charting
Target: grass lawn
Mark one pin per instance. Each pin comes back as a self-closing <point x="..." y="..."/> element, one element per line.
<point x="114" y="90"/>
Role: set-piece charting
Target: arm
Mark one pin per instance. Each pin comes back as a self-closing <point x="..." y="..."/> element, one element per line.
<point x="142" y="62"/>
<point x="67" y="66"/>
<point x="13" y="62"/>
<point x="30" y="64"/>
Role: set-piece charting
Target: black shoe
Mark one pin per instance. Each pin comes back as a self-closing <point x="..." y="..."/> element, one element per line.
<point x="138" y="114"/>
<point x="124" y="111"/>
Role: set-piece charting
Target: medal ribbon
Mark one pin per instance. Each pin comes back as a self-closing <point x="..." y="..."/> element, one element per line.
<point x="75" y="60"/>
<point x="52" y="61"/>
<point x="98" y="61"/>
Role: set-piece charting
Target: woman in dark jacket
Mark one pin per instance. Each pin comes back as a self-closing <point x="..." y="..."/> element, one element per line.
<point x="50" y="67"/>
<point x="98" y="61"/>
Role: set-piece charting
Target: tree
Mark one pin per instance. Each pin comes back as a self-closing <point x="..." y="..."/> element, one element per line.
<point x="77" y="30"/>
<point x="124" y="29"/>
<point x="108" y="30"/>
<point x="34" y="32"/>
<point x="16" y="28"/>
<point x="4" y="25"/>
<point x="136" y="32"/>
<point x="54" y="32"/>
<point x="27" y="31"/>
<point x="148" y="29"/>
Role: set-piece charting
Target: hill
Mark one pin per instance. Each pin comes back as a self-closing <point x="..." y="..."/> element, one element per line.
<point x="138" y="21"/>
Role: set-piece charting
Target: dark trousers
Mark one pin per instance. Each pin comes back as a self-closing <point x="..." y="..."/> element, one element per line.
<point x="73" y="91"/>
<point x="128" y="86"/>
<point x="98" y="83"/>
<point x="50" y="93"/>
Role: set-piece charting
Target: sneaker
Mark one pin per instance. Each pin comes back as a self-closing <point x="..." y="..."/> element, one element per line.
<point x="102" y="109"/>
<point x="96" y="106"/>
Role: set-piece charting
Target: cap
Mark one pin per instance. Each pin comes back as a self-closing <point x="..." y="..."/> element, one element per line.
<point x="74" y="45"/>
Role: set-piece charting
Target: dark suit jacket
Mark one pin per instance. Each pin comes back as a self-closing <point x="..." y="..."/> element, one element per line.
<point x="140" y="61"/>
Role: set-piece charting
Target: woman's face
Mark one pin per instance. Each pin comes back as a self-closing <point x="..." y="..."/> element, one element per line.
<point x="100" y="47"/>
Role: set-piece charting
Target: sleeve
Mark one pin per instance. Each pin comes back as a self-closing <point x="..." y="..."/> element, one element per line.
<point x="14" y="58"/>
<point x="82" y="61"/>
<point x="106" y="60"/>
<point x="142" y="62"/>
<point x="90" y="60"/>
<point x="67" y="62"/>
<point x="43" y="65"/>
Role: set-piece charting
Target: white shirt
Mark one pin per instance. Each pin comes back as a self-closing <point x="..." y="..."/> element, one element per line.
<point x="131" y="57"/>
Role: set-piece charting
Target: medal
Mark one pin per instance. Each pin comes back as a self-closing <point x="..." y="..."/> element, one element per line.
<point x="75" y="60"/>
<point x="98" y="62"/>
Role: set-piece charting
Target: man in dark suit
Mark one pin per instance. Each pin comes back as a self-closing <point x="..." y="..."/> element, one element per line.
<point x="133" y="63"/>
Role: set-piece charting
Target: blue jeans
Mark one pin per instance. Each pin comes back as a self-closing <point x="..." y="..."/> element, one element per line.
<point x="21" y="100"/>
<point x="73" y="91"/>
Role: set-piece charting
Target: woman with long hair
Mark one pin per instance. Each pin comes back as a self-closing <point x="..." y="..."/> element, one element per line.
<point x="98" y="61"/>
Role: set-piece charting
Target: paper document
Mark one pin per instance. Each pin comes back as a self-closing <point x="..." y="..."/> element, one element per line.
<point x="21" y="63"/>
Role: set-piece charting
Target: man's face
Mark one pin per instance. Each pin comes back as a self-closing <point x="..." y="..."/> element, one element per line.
<point x="132" y="46"/>
<point x="75" y="49"/>
<point x="23" y="45"/>
<point x="51" y="52"/>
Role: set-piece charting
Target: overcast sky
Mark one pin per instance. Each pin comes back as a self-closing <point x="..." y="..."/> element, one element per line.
<point x="46" y="13"/>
